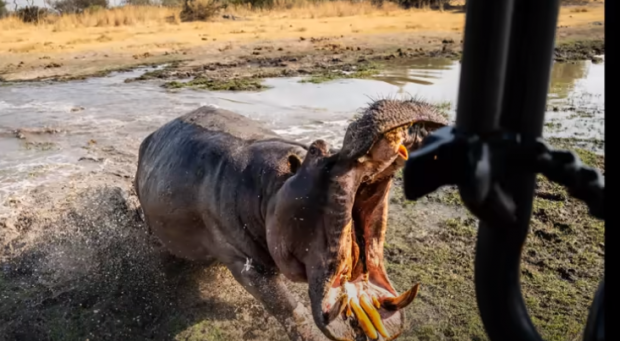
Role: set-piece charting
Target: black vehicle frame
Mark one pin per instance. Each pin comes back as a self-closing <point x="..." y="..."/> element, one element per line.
<point x="496" y="146"/>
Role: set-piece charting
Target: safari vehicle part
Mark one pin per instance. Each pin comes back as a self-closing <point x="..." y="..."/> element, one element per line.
<point x="495" y="151"/>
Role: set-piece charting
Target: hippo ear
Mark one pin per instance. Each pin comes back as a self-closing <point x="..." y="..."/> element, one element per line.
<point x="294" y="162"/>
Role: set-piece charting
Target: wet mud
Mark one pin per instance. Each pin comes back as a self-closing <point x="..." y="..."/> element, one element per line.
<point x="318" y="58"/>
<point x="83" y="265"/>
<point x="328" y="60"/>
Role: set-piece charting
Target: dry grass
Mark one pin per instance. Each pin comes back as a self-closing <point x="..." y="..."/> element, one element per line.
<point x="114" y="17"/>
<point x="304" y="9"/>
<point x="148" y="15"/>
<point x="132" y="26"/>
<point x="110" y="37"/>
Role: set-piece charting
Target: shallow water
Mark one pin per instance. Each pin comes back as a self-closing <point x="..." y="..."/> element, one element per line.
<point x="120" y="115"/>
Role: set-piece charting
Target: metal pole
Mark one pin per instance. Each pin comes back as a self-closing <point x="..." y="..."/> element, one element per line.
<point x="507" y="61"/>
<point x="497" y="264"/>
<point x="485" y="51"/>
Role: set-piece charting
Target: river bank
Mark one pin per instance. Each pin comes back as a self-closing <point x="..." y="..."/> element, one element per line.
<point x="321" y="45"/>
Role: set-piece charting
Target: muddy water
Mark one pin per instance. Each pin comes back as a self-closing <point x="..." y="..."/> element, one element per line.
<point x="48" y="131"/>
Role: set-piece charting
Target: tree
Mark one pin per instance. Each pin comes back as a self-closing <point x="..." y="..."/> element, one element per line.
<point x="422" y="3"/>
<point x="3" y="10"/>
<point x="201" y="10"/>
<point x="172" y="3"/>
<point x="75" y="6"/>
<point x="140" y="2"/>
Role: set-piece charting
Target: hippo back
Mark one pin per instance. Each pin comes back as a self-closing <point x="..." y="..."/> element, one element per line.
<point x="211" y="160"/>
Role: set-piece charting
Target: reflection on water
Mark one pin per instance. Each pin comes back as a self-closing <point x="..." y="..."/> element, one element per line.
<point x="424" y="71"/>
<point x="564" y="76"/>
<point x="118" y="115"/>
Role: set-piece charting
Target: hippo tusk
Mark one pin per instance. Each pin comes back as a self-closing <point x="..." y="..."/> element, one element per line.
<point x="400" y="302"/>
<point x="338" y="308"/>
<point x="403" y="152"/>
<point x="376" y="302"/>
<point x="374" y="316"/>
<point x="364" y="322"/>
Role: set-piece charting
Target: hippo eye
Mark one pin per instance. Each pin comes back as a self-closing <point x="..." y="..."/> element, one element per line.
<point x="312" y="150"/>
<point x="423" y="131"/>
<point x="418" y="131"/>
<point x="414" y="130"/>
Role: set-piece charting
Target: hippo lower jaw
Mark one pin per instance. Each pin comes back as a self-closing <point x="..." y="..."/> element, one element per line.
<point x="367" y="303"/>
<point x="359" y="299"/>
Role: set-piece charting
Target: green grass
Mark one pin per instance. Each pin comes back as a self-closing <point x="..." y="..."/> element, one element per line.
<point x="235" y="84"/>
<point x="571" y="50"/>
<point x="363" y="71"/>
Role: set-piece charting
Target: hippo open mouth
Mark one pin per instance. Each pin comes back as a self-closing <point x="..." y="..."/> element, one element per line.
<point x="360" y="302"/>
<point x="329" y="220"/>
<point x="361" y="295"/>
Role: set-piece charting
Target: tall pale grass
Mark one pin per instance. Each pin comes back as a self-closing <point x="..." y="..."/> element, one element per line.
<point x="118" y="16"/>
<point x="11" y="23"/>
<point x="302" y="9"/>
<point x="147" y="15"/>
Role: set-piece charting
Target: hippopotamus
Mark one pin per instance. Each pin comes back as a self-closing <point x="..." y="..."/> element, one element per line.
<point x="216" y="185"/>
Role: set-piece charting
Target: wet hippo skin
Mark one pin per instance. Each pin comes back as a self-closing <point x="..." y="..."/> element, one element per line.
<point x="217" y="185"/>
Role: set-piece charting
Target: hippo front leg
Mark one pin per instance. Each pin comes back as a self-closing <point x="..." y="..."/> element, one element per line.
<point x="271" y="291"/>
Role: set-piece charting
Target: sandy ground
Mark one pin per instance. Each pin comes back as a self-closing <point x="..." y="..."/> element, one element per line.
<point x="49" y="51"/>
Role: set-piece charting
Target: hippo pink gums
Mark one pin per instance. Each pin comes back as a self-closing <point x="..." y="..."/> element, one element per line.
<point x="216" y="185"/>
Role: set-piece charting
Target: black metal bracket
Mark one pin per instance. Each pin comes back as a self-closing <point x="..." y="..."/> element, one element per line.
<point x="479" y="165"/>
<point x="495" y="151"/>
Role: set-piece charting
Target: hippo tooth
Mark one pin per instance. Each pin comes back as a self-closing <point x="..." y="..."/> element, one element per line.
<point x="338" y="308"/>
<point x="364" y="322"/>
<point x="375" y="302"/>
<point x="402" y="151"/>
<point x="348" y="312"/>
<point x="373" y="315"/>
<point x="400" y="302"/>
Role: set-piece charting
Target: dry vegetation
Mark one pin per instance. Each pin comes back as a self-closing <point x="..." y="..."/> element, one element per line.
<point x="97" y="40"/>
<point x="151" y="20"/>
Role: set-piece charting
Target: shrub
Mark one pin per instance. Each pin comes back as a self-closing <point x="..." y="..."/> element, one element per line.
<point x="200" y="10"/>
<point x="32" y="14"/>
<point x="141" y="2"/>
<point x="172" y="3"/>
<point x="76" y="6"/>
<point x="421" y="3"/>
<point x="3" y="11"/>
